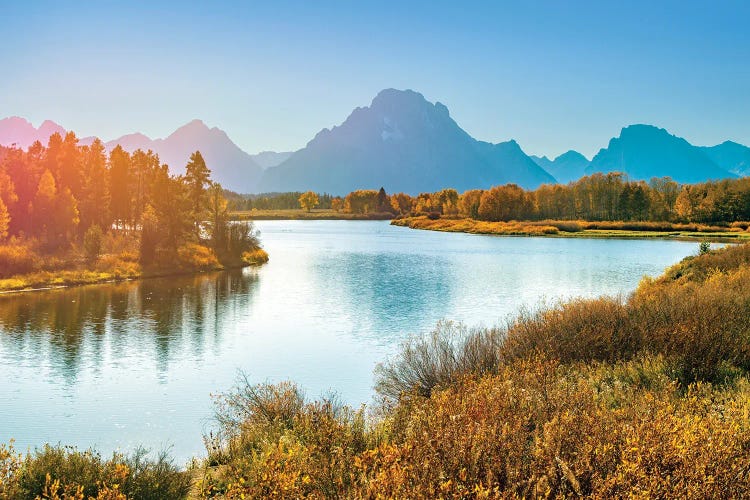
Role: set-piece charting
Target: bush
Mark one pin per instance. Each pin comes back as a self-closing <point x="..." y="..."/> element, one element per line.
<point x="65" y="472"/>
<point x="16" y="258"/>
<point x="197" y="257"/>
<point x="92" y="242"/>
<point x="437" y="360"/>
<point x="255" y="257"/>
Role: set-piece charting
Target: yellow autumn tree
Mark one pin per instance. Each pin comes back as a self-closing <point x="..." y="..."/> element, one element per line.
<point x="308" y="200"/>
<point x="4" y="220"/>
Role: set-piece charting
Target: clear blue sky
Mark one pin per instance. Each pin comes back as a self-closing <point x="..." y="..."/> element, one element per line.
<point x="552" y="75"/>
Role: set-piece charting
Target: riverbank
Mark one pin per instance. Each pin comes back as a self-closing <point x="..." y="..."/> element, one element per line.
<point x="579" y="229"/>
<point x="113" y="268"/>
<point x="299" y="214"/>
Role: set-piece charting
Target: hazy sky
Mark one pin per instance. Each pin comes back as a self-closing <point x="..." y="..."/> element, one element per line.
<point x="552" y="75"/>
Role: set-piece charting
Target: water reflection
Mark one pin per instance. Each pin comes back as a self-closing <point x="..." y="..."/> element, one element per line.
<point x="155" y="318"/>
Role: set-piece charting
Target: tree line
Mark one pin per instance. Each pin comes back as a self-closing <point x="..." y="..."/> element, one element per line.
<point x="63" y="194"/>
<point x="597" y="197"/>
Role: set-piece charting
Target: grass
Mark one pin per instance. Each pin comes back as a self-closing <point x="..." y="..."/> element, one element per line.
<point x="299" y="214"/>
<point x="579" y="229"/>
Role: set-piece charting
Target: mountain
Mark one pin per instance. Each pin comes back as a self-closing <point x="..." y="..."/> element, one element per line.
<point x="730" y="156"/>
<point x="401" y="142"/>
<point x="645" y="151"/>
<point x="21" y="132"/>
<point x="268" y="159"/>
<point x="230" y="166"/>
<point x="567" y="167"/>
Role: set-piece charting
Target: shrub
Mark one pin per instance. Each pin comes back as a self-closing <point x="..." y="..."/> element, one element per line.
<point x="278" y="445"/>
<point x="255" y="257"/>
<point x="92" y="242"/>
<point x="64" y="472"/>
<point x="437" y="360"/>
<point x="17" y="258"/>
<point x="198" y="257"/>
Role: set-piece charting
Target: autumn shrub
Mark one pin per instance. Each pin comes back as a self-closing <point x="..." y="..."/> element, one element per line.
<point x="118" y="266"/>
<point x="92" y="242"/>
<point x="198" y="257"/>
<point x="255" y="257"/>
<point x="10" y="464"/>
<point x="540" y="429"/>
<point x="18" y="258"/>
<point x="698" y="268"/>
<point x="65" y="472"/>
<point x="276" y="444"/>
<point x="447" y="354"/>
<point x="534" y="427"/>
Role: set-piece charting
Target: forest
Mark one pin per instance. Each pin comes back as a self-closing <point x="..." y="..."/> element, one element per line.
<point x="67" y="207"/>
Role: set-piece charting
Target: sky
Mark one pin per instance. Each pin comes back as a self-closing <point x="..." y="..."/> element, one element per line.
<point x="552" y="75"/>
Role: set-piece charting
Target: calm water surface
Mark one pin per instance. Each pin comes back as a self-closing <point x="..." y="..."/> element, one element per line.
<point x="115" y="366"/>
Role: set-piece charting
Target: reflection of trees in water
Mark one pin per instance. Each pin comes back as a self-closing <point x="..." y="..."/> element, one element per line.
<point x="152" y="317"/>
<point x="377" y="289"/>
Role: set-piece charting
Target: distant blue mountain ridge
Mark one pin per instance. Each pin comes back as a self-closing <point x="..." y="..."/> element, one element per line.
<point x="403" y="142"/>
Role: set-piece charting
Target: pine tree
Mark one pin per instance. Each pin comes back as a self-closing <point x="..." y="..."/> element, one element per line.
<point x="197" y="178"/>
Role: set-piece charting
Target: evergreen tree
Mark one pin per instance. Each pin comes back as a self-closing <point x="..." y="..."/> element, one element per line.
<point x="197" y="178"/>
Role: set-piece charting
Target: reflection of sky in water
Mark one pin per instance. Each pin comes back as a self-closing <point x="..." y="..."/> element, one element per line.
<point x="134" y="363"/>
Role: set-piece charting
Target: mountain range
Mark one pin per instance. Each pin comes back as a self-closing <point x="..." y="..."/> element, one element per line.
<point x="403" y="142"/>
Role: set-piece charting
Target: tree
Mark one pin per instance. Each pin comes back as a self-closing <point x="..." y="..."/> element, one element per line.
<point x="92" y="242"/>
<point x="120" y="176"/>
<point x="468" y="203"/>
<point x="361" y="201"/>
<point x="337" y="204"/>
<point x="383" y="202"/>
<point x="308" y="201"/>
<point x="197" y="179"/>
<point x="402" y="203"/>
<point x="94" y="202"/>
<point x="43" y="206"/>
<point x="149" y="235"/>
<point x="4" y="220"/>
<point x="217" y="218"/>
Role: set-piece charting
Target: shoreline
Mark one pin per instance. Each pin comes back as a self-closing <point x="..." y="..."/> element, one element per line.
<point x="110" y="279"/>
<point x="539" y="229"/>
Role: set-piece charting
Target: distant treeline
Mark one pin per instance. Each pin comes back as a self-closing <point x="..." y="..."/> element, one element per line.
<point x="272" y="201"/>
<point x="598" y="197"/>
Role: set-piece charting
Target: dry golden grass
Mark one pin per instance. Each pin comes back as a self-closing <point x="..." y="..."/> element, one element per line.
<point x="605" y="229"/>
